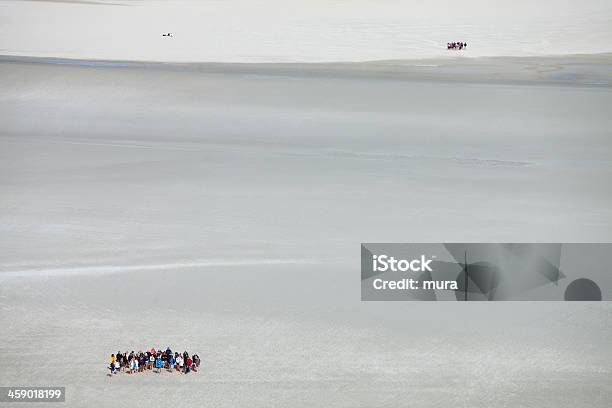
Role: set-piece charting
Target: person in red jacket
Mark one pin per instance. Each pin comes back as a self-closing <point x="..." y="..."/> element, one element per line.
<point x="188" y="364"/>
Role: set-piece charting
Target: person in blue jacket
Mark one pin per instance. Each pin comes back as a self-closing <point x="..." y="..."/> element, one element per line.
<point x="171" y="362"/>
<point x="158" y="363"/>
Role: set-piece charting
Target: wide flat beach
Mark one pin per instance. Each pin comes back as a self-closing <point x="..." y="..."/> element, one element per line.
<point x="220" y="208"/>
<point x="301" y="31"/>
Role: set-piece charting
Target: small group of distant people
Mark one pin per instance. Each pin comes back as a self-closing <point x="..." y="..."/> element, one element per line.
<point x="155" y="360"/>
<point x="456" y="45"/>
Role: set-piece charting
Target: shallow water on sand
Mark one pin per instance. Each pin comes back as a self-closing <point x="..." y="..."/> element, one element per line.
<point x="133" y="166"/>
<point x="222" y="213"/>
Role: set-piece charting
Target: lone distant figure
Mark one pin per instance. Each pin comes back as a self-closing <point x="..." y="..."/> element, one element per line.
<point x="167" y="35"/>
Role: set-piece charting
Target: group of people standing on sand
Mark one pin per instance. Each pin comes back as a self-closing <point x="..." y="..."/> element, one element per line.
<point x="456" y="45"/>
<point x="156" y="360"/>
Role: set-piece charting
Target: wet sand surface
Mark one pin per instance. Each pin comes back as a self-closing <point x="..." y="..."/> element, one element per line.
<point x="219" y="208"/>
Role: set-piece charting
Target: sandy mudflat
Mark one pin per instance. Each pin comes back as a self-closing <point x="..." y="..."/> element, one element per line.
<point x="220" y="208"/>
<point x="301" y="30"/>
